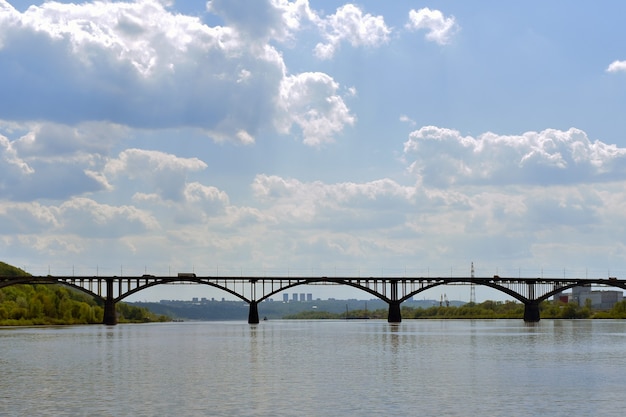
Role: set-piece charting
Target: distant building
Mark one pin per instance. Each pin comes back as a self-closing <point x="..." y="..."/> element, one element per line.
<point x="309" y="297"/>
<point x="294" y="296"/>
<point x="285" y="297"/>
<point x="600" y="300"/>
<point x="302" y="297"/>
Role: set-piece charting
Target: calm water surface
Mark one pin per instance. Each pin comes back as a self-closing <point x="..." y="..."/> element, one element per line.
<point x="316" y="368"/>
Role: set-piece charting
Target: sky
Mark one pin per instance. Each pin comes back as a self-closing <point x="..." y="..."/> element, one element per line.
<point x="276" y="137"/>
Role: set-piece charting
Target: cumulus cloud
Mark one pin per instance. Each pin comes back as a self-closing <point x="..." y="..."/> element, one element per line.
<point x="12" y="161"/>
<point x="383" y="219"/>
<point x="163" y="173"/>
<point x="130" y="63"/>
<point x="275" y="187"/>
<point x="198" y="192"/>
<point x="262" y="20"/>
<point x="351" y="25"/>
<point x="18" y="218"/>
<point x="51" y="160"/>
<point x="617" y="66"/>
<point x="140" y="162"/>
<point x="49" y="140"/>
<point x="80" y="216"/>
<point x="406" y="119"/>
<point x="443" y="157"/>
<point x="279" y="20"/>
<point x="316" y="201"/>
<point x="85" y="216"/>
<point x="311" y="101"/>
<point x="201" y="202"/>
<point x="440" y="29"/>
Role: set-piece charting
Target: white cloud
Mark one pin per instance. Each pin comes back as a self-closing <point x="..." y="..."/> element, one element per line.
<point x="294" y="200"/>
<point x="80" y="216"/>
<point x="243" y="217"/>
<point x="617" y="66"/>
<point x="161" y="173"/>
<point x="407" y="119"/>
<point x="129" y="63"/>
<point x="244" y="137"/>
<point x="49" y="140"/>
<point x="196" y="206"/>
<point x="262" y="20"/>
<point x="13" y="161"/>
<point x="351" y="25"/>
<point x="440" y="29"/>
<point x="160" y="183"/>
<point x="18" y="218"/>
<point x="443" y="157"/>
<point x="206" y="200"/>
<point x="379" y="221"/>
<point x="140" y="162"/>
<point x="310" y="101"/>
<point x="50" y="160"/>
<point x="87" y="217"/>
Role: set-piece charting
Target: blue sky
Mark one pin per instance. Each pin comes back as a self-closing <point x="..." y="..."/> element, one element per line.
<point x="313" y="137"/>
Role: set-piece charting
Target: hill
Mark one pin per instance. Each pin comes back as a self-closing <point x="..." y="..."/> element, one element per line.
<point x="7" y="270"/>
<point x="44" y="304"/>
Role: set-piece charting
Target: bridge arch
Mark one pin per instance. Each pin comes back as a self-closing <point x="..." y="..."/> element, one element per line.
<point x="337" y="281"/>
<point x="52" y="280"/>
<point x="253" y="314"/>
<point x="500" y="288"/>
<point x="167" y="281"/>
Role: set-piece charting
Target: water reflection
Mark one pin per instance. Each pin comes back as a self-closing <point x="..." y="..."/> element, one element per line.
<point x="341" y="368"/>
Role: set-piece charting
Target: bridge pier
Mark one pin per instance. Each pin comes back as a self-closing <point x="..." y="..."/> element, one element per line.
<point x="531" y="312"/>
<point x="253" y="315"/>
<point x="110" y="317"/>
<point x="394" y="316"/>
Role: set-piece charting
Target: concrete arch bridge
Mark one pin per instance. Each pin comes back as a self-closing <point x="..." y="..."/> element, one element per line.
<point x="253" y="290"/>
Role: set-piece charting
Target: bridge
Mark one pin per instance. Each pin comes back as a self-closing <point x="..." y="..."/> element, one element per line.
<point x="253" y="289"/>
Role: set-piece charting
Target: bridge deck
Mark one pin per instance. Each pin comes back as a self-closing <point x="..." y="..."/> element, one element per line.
<point x="254" y="289"/>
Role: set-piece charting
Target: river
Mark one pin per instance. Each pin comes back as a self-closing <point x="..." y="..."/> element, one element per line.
<point x="316" y="368"/>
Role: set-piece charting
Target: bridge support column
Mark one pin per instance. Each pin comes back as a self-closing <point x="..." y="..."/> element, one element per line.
<point x="253" y="315"/>
<point x="531" y="312"/>
<point x="394" y="316"/>
<point x="110" y="318"/>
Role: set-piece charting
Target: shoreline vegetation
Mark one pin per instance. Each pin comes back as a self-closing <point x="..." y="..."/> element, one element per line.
<point x="55" y="304"/>
<point x="485" y="310"/>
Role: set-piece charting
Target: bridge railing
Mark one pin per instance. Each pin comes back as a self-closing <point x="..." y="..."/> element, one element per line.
<point x="287" y="272"/>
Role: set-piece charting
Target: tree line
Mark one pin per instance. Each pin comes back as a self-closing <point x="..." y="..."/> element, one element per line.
<point x="45" y="304"/>
<point x="485" y="310"/>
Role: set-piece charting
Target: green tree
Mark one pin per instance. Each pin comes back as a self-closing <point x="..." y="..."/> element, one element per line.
<point x="27" y="304"/>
